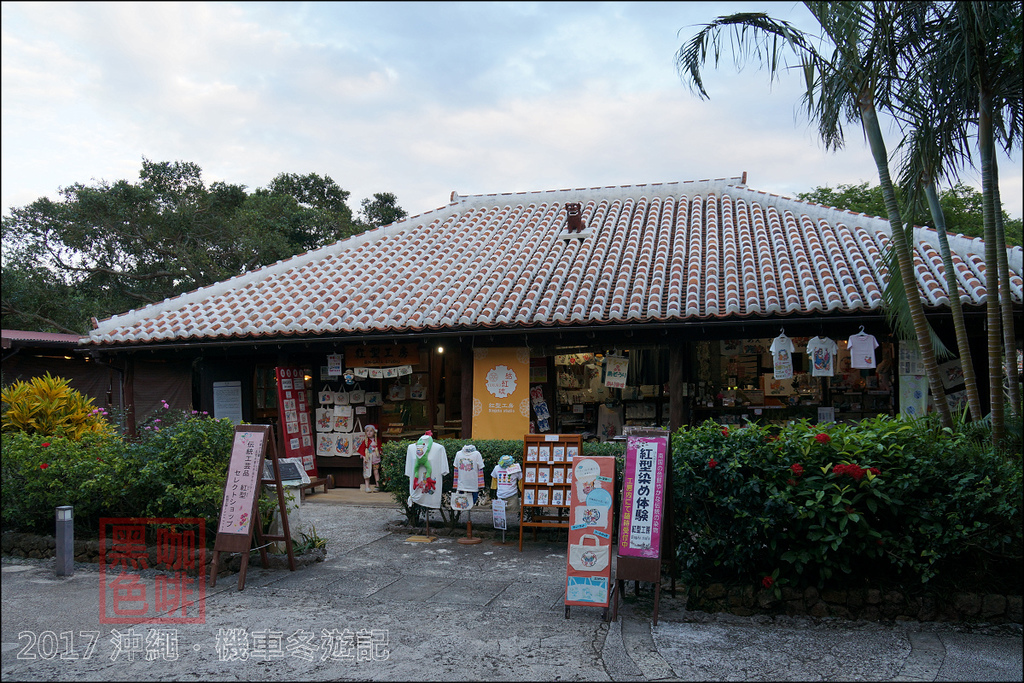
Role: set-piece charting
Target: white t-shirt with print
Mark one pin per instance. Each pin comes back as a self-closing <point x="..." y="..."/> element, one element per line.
<point x="782" y="357"/>
<point x="438" y="460"/>
<point x="822" y="353"/>
<point x="468" y="466"/>
<point x="862" y="351"/>
<point x="508" y="478"/>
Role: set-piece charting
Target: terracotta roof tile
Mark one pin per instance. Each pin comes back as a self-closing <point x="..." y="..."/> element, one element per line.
<point x="664" y="252"/>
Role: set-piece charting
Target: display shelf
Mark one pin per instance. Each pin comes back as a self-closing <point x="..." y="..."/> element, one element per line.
<point x="547" y="480"/>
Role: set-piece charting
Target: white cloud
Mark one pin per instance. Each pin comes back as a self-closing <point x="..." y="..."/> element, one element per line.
<point x="412" y="98"/>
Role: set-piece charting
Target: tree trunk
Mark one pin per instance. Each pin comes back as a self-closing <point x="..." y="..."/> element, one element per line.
<point x="955" y="306"/>
<point x="1005" y="297"/>
<point x="869" y="118"/>
<point x="992" y="313"/>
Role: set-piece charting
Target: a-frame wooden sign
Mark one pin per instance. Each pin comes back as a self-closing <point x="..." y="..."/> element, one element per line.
<point x="239" y="512"/>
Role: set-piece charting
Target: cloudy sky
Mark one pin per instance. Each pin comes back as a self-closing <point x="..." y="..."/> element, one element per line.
<point x="417" y="99"/>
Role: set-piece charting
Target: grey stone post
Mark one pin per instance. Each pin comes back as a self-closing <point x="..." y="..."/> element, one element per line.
<point x="65" y="541"/>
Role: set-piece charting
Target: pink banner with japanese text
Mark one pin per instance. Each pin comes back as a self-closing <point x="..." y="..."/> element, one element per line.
<point x="643" y="496"/>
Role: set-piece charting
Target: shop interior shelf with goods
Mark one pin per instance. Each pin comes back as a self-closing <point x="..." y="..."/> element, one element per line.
<point x="737" y="382"/>
<point x="587" y="406"/>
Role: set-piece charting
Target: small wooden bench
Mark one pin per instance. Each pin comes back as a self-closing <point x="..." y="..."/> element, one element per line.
<point x="311" y="486"/>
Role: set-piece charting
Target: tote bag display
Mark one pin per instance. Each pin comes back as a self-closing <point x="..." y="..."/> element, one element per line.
<point x="584" y="557"/>
<point x="325" y="444"/>
<point x="343" y="418"/>
<point x="374" y="399"/>
<point x="417" y="392"/>
<point x="396" y="392"/>
<point x="325" y="396"/>
<point x="356" y="440"/>
<point x="461" y="501"/>
<point x="342" y="442"/>
<point x="357" y="395"/>
<point x="341" y="398"/>
<point x="324" y="419"/>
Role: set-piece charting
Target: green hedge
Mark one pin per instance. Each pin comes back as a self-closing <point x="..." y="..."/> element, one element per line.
<point x="886" y="499"/>
<point x="394" y="481"/>
<point x="177" y="470"/>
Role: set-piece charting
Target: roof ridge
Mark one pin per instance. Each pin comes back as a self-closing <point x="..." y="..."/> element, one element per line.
<point x="587" y="192"/>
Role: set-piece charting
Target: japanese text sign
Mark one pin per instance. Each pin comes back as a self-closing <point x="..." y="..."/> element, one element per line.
<point x="615" y="372"/>
<point x="243" y="483"/>
<point x="643" y="496"/>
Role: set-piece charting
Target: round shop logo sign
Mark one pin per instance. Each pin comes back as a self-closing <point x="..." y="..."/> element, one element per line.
<point x="501" y="381"/>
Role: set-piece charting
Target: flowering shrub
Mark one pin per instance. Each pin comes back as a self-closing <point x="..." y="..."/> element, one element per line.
<point x="175" y="469"/>
<point x="39" y="473"/>
<point x="886" y="499"/>
<point x="180" y="466"/>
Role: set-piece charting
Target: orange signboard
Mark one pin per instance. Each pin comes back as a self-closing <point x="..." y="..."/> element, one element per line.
<point x="501" y="393"/>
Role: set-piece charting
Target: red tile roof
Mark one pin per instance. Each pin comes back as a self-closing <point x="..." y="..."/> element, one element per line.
<point x="28" y="338"/>
<point x="667" y="252"/>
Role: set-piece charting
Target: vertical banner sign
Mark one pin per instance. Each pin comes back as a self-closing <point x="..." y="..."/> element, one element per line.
<point x="643" y="496"/>
<point x="498" y="514"/>
<point x="501" y="393"/>
<point x="293" y="413"/>
<point x="589" y="565"/>
<point x="243" y="483"/>
<point x="615" y="372"/>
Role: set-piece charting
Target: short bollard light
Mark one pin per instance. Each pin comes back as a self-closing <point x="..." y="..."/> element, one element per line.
<point x="65" y="541"/>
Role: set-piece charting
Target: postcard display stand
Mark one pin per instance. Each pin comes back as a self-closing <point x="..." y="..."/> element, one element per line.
<point x="589" y="562"/>
<point x="239" y="511"/>
<point x="295" y="424"/>
<point x="547" y="475"/>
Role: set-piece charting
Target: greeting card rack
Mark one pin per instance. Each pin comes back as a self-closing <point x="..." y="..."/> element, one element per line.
<point x="547" y="478"/>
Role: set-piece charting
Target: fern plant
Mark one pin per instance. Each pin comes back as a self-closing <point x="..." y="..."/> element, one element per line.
<point x="48" y="406"/>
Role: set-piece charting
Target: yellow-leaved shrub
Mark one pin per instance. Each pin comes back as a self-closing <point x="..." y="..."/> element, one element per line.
<point x="48" y="406"/>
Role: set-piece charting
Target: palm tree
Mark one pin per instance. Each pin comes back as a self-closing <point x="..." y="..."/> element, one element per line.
<point x="981" y="43"/>
<point x="847" y="84"/>
<point x="938" y="134"/>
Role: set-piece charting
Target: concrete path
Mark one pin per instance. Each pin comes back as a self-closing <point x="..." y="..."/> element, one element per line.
<point x="383" y="608"/>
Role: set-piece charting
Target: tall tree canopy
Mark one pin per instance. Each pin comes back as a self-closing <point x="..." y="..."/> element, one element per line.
<point x="961" y="205"/>
<point x="105" y="248"/>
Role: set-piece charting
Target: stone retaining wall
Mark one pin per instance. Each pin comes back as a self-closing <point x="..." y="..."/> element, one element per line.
<point x="41" y="547"/>
<point x="869" y="604"/>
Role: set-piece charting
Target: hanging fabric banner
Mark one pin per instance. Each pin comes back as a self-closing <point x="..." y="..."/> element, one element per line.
<point x="615" y="372"/>
<point x="501" y="393"/>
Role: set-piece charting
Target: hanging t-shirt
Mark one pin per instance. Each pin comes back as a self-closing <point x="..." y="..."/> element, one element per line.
<point x="822" y="352"/>
<point x="862" y="351"/>
<point x="507" y="478"/>
<point x="782" y="357"/>
<point x="426" y="490"/>
<point x="468" y="466"/>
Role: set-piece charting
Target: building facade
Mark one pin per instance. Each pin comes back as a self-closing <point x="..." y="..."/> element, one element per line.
<point x="643" y="305"/>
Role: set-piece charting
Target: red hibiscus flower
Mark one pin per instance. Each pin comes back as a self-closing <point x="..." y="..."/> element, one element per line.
<point x="43" y="466"/>
<point x="712" y="463"/>
<point x="725" y="431"/>
<point x="822" y="438"/>
<point x="767" y="582"/>
<point x="45" y="444"/>
<point x="797" y="469"/>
